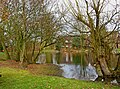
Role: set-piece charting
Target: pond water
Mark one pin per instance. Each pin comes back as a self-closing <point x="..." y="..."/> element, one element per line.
<point x="74" y="65"/>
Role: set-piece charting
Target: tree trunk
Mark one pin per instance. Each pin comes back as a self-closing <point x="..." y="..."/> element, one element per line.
<point x="5" y="50"/>
<point x="18" y="56"/>
<point x="103" y="70"/>
<point x="118" y="64"/>
<point x="104" y="66"/>
<point x="23" y="61"/>
<point x="33" y="51"/>
<point x="22" y="53"/>
<point x="98" y="69"/>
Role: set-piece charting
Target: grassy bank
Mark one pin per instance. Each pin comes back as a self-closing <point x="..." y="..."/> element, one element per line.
<point x="21" y="79"/>
<point x="41" y="77"/>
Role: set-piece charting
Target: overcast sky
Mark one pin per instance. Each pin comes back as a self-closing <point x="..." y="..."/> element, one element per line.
<point x="109" y="6"/>
<point x="112" y="2"/>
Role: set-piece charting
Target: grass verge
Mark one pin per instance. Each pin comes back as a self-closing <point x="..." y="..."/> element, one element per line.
<point x="21" y="79"/>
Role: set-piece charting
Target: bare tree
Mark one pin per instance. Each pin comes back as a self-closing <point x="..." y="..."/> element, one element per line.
<point x="96" y="18"/>
<point x="3" y="19"/>
<point x="29" y="24"/>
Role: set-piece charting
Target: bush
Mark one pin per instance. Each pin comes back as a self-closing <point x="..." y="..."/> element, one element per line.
<point x="1" y="48"/>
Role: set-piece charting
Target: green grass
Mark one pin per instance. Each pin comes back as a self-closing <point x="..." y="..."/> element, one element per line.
<point x="2" y="56"/>
<point x="22" y="79"/>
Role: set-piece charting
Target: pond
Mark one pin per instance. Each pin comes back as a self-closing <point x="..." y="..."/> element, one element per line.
<point x="74" y="65"/>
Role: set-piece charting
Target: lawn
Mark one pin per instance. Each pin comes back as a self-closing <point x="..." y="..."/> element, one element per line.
<point x="13" y="78"/>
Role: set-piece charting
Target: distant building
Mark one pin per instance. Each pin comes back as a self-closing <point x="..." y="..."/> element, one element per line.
<point x="112" y="38"/>
<point x="72" y="42"/>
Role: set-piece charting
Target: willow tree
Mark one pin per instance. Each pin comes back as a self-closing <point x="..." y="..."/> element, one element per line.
<point x="101" y="23"/>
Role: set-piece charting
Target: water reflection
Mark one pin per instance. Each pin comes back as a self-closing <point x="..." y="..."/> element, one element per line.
<point x="41" y="59"/>
<point x="76" y="65"/>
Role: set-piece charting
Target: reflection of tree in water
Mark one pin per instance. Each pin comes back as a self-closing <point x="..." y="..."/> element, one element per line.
<point x="79" y="59"/>
<point x="76" y="59"/>
<point x="58" y="57"/>
<point x="82" y="64"/>
<point x="74" y="65"/>
<point x="48" y="57"/>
